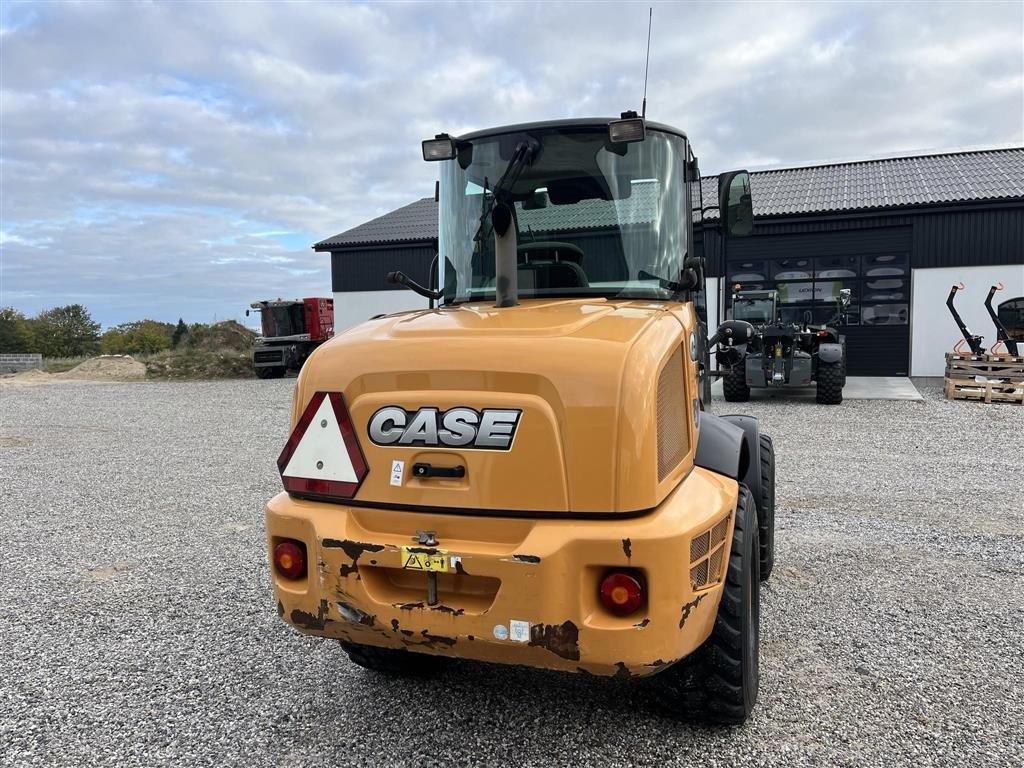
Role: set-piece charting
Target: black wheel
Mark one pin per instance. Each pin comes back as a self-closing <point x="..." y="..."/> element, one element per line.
<point x="734" y="385"/>
<point x="271" y="372"/>
<point x="843" y="361"/>
<point x="719" y="681"/>
<point x="830" y="383"/>
<point x="766" y="507"/>
<point x="393" y="661"/>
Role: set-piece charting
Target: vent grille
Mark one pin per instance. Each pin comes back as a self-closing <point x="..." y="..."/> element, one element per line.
<point x="673" y="437"/>
<point x="707" y="556"/>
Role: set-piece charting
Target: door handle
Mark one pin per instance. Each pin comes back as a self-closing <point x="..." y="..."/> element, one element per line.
<point x="423" y="469"/>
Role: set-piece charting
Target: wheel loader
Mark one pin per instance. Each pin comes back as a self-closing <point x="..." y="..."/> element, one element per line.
<point x="524" y="472"/>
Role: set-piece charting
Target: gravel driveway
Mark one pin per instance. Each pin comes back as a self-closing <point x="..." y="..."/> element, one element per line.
<point x="137" y="626"/>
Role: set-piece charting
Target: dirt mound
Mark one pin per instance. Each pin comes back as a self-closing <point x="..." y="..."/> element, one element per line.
<point x="224" y="336"/>
<point x="107" y="368"/>
<point x="201" y="364"/>
<point x="26" y="378"/>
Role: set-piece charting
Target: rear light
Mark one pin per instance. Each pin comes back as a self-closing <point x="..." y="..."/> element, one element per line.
<point x="621" y="593"/>
<point x="290" y="559"/>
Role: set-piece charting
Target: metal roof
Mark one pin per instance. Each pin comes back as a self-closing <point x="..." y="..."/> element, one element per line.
<point x="958" y="177"/>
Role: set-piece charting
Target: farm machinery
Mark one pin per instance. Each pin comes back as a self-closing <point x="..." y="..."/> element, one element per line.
<point x="785" y="354"/>
<point x="291" y="330"/>
<point x="525" y="473"/>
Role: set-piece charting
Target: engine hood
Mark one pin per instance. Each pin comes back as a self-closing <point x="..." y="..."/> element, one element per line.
<point x="549" y="406"/>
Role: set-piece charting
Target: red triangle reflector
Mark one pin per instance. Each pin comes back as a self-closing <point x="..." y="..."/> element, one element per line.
<point x="322" y="456"/>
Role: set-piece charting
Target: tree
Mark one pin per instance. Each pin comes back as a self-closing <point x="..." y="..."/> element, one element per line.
<point x="180" y="332"/>
<point x="15" y="333"/>
<point x="141" y="337"/>
<point x="67" y="331"/>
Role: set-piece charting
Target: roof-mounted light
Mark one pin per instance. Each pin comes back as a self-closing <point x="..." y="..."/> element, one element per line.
<point x="441" y="147"/>
<point x="627" y="130"/>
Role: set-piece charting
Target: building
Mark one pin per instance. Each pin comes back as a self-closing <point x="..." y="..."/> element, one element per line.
<point x="898" y="232"/>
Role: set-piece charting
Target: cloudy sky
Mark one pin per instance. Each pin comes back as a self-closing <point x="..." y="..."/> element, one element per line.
<point x="178" y="159"/>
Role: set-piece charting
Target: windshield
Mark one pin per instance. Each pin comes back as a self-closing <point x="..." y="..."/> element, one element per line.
<point x="756" y="311"/>
<point x="593" y="218"/>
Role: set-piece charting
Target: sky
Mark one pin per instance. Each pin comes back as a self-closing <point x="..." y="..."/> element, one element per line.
<point x="170" y="160"/>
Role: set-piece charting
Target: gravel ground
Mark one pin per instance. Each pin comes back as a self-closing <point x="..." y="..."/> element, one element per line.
<point x="137" y="626"/>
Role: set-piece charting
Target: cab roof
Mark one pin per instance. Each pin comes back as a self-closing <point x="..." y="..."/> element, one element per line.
<point x="574" y="122"/>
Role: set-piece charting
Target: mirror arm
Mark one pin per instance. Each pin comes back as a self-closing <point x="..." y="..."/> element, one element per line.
<point x="400" y="278"/>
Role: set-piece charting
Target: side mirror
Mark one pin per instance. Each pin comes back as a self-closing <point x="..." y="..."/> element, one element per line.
<point x="735" y="205"/>
<point x="731" y="337"/>
<point x="247" y="313"/>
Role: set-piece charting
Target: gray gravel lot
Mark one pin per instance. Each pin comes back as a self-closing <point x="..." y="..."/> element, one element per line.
<point x="137" y="626"/>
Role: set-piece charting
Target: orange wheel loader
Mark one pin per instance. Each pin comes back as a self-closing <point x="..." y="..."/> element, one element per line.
<point x="525" y="471"/>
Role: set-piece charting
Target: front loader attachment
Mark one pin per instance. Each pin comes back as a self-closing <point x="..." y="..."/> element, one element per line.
<point x="1002" y="335"/>
<point x="973" y="341"/>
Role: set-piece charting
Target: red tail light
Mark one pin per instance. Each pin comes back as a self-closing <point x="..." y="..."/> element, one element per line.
<point x="290" y="559"/>
<point x="322" y="456"/>
<point x="621" y="593"/>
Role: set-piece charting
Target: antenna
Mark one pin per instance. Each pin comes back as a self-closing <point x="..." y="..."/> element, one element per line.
<point x="647" y="64"/>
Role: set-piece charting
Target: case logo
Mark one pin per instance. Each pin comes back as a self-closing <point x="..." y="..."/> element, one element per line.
<point x="491" y="429"/>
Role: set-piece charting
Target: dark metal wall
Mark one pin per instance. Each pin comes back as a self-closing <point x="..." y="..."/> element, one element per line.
<point x="970" y="238"/>
<point x="363" y="269"/>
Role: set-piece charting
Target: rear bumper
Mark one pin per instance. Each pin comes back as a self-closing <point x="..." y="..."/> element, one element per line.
<point x="523" y="591"/>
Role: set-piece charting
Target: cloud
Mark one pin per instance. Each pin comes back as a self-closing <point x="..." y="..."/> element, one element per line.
<point x="163" y="159"/>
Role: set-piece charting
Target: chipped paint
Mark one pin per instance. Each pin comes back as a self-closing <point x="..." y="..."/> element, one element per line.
<point x="351" y="613"/>
<point x="408" y="606"/>
<point x="459" y="569"/>
<point x="562" y="639"/>
<point x="627" y="547"/>
<point x="308" y="620"/>
<point x="622" y="673"/>
<point x="394" y="625"/>
<point x="526" y="559"/>
<point x="643" y="623"/>
<point x="280" y="608"/>
<point x="353" y="549"/>
<point x="688" y="608"/>
<point x="449" y="609"/>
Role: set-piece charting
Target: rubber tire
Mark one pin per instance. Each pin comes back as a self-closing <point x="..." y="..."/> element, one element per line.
<point x="270" y="372"/>
<point x="830" y="383"/>
<point x="393" y="661"/>
<point x="734" y="386"/>
<point x="766" y="507"/>
<point x="718" y="683"/>
<point x="843" y="360"/>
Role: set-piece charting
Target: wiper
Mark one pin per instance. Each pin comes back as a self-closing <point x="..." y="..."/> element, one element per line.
<point x="522" y="155"/>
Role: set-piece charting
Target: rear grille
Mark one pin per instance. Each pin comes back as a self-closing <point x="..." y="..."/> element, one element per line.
<point x="707" y="555"/>
<point x="673" y="437"/>
<point x="268" y="356"/>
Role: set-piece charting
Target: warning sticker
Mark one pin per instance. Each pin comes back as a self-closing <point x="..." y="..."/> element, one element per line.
<point x="500" y="632"/>
<point x="397" y="472"/>
<point x="519" y="631"/>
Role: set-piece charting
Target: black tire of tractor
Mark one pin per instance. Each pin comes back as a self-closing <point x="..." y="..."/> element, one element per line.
<point x="843" y="361"/>
<point x="393" y="661"/>
<point x="734" y="386"/>
<point x="830" y="383"/>
<point x="766" y="507"/>
<point x="718" y="683"/>
<point x="270" y="372"/>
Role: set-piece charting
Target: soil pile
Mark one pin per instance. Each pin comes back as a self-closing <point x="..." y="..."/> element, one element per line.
<point x="107" y="368"/>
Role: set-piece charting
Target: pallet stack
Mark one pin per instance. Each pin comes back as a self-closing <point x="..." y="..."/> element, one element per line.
<point x="986" y="378"/>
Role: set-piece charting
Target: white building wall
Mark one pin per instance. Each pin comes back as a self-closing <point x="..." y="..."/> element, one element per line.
<point x="713" y="287"/>
<point x="354" y="307"/>
<point x="933" y="331"/>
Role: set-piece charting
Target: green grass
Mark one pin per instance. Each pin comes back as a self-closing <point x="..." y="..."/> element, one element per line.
<point x="61" y="364"/>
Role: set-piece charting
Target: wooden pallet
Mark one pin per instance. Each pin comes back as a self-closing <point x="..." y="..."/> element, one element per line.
<point x="985" y="391"/>
<point x="1005" y="367"/>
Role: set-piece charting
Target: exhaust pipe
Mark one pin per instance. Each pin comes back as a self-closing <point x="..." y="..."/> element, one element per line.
<point x="506" y="256"/>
